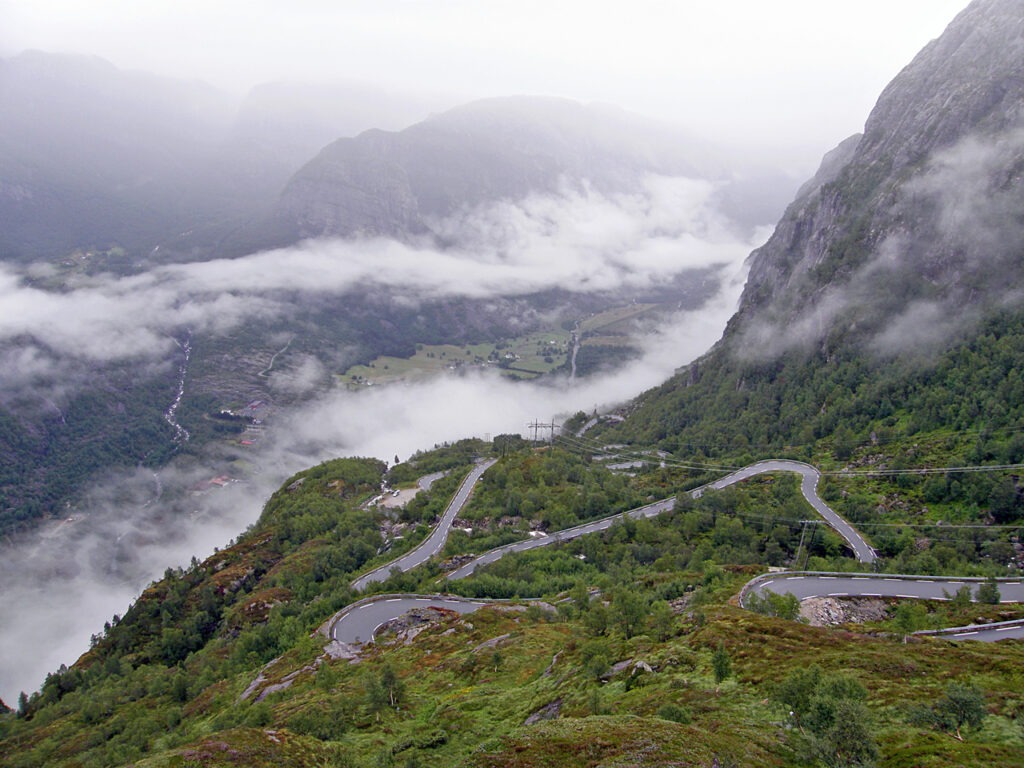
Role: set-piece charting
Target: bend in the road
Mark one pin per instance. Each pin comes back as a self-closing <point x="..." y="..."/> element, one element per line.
<point x="437" y="538"/>
<point x="808" y="486"/>
<point x="374" y="611"/>
<point x="807" y="584"/>
<point x="358" y="623"/>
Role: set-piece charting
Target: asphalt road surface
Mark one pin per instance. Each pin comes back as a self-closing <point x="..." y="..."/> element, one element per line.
<point x="809" y="484"/>
<point x="433" y="543"/>
<point x="360" y="623"/>
<point x="809" y="487"/>
<point x="806" y="585"/>
<point x="651" y="510"/>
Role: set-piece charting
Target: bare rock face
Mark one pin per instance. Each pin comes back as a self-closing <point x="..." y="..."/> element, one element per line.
<point x="969" y="78"/>
<point x="549" y="711"/>
<point x="406" y="627"/>
<point x="353" y="187"/>
<point x="918" y="225"/>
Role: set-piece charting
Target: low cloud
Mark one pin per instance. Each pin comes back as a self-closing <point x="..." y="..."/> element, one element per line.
<point x="923" y="325"/>
<point x="976" y="186"/>
<point x="303" y="376"/>
<point x="953" y="251"/>
<point x="581" y="242"/>
<point x="61" y="583"/>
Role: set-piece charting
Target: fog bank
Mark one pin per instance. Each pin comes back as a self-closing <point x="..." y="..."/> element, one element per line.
<point x="62" y="584"/>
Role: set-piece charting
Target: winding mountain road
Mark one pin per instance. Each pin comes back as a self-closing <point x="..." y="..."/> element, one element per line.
<point x="809" y="487"/>
<point x="358" y="622"/>
<point x="435" y="541"/>
<point x="808" y="585"/>
<point x="651" y="510"/>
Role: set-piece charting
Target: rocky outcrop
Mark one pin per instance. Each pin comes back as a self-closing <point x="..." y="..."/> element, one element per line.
<point x="970" y="78"/>
<point x="910" y="230"/>
<point x="831" y="612"/>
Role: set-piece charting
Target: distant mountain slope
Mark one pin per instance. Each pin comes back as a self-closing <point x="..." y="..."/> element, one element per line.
<point x="281" y="125"/>
<point x="396" y="184"/>
<point x="91" y="155"/>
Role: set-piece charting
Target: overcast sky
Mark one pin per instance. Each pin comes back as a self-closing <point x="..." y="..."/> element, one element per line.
<point x="787" y="72"/>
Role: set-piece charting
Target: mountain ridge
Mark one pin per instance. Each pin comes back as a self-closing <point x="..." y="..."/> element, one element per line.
<point x="385" y="183"/>
<point x="939" y="149"/>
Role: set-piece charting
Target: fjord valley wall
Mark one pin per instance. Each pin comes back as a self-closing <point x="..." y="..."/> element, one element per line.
<point x="244" y="184"/>
<point x="879" y="339"/>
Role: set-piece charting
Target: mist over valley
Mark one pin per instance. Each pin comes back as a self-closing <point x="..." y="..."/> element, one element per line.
<point x="566" y="385"/>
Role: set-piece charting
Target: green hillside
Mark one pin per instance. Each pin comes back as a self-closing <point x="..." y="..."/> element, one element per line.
<point x="617" y="664"/>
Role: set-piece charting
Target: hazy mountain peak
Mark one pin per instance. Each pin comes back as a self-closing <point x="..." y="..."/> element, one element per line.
<point x="967" y="79"/>
<point x="394" y="183"/>
<point x="920" y="229"/>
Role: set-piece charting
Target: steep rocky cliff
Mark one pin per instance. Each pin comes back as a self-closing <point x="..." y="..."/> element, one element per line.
<point x="920" y="228"/>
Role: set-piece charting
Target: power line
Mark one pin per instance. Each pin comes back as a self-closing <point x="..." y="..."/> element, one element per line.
<point x="955" y="526"/>
<point x="536" y="425"/>
<point x="639" y="455"/>
<point x="925" y="470"/>
<point x="582" y="445"/>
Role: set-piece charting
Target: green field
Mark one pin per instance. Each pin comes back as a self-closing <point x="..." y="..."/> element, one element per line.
<point x="524" y="357"/>
<point x="616" y="321"/>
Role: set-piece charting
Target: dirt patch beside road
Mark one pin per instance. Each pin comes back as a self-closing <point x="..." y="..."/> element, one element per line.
<point x="403" y="497"/>
<point x="831" y="611"/>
